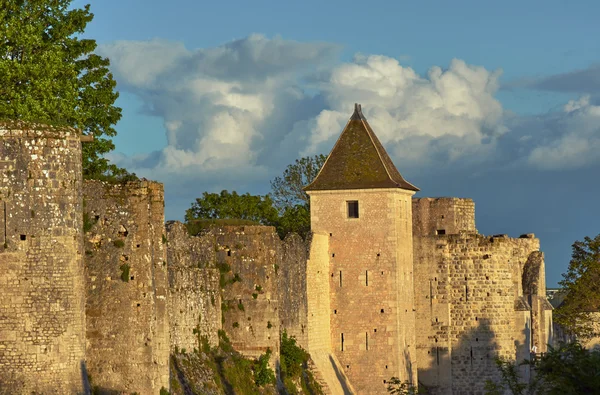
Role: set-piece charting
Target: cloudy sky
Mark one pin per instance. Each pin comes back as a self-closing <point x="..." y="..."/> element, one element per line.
<point x="496" y="101"/>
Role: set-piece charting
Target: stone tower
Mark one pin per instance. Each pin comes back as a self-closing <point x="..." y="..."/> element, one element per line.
<point x="362" y="204"/>
<point x="42" y="320"/>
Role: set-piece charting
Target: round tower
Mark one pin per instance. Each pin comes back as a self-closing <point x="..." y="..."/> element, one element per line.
<point x="42" y="318"/>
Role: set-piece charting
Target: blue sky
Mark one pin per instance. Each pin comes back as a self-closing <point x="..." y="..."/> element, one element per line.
<point x="497" y="101"/>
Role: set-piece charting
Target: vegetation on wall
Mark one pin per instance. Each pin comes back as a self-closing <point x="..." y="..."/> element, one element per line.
<point x="50" y="75"/>
<point x="580" y="286"/>
<point x="220" y="370"/>
<point x="294" y="368"/>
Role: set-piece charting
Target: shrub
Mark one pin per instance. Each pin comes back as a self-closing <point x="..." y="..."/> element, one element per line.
<point x="125" y="272"/>
<point x="263" y="374"/>
<point x="119" y="243"/>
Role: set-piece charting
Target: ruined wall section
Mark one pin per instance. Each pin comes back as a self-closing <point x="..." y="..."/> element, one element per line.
<point x="194" y="291"/>
<point x="249" y="258"/>
<point x="432" y="216"/>
<point x="534" y="291"/>
<point x="292" y="286"/>
<point x="468" y="309"/>
<point x="126" y="272"/>
<point x="42" y="325"/>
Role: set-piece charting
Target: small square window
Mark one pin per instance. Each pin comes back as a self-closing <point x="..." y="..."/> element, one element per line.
<point x="352" y="209"/>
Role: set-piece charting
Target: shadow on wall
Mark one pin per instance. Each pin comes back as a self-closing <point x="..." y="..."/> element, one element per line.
<point x="85" y="380"/>
<point x="471" y="361"/>
<point x="341" y="377"/>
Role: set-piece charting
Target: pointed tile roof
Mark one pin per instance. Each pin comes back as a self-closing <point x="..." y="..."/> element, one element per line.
<point x="358" y="161"/>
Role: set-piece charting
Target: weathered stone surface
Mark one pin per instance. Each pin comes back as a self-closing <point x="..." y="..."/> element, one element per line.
<point x="126" y="273"/>
<point x="470" y="299"/>
<point x="42" y="321"/>
<point x="194" y="292"/>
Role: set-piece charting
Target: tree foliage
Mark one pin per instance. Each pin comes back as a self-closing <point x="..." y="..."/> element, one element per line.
<point x="287" y="190"/>
<point x="397" y="386"/>
<point x="569" y="369"/>
<point x="263" y="374"/>
<point x="287" y="207"/>
<point x="582" y="293"/>
<point x="293" y="357"/>
<point x="50" y="75"/>
<point x="231" y="205"/>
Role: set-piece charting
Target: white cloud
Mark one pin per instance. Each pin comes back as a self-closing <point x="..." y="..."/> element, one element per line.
<point x="578" y="140"/>
<point x="237" y="114"/>
<point x="399" y="104"/>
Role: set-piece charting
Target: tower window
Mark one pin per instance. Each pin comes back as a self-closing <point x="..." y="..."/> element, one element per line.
<point x="352" y="209"/>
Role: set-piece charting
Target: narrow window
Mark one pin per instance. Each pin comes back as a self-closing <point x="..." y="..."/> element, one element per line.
<point x="340" y="278"/>
<point x="23" y="237"/>
<point x="367" y="340"/>
<point x="437" y="355"/>
<point x="352" y="209"/>
<point x="367" y="278"/>
<point x="441" y="231"/>
<point x="342" y="342"/>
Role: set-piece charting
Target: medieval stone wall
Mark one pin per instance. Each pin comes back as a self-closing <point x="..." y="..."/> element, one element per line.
<point x="432" y="216"/>
<point x="262" y="284"/>
<point x="126" y="273"/>
<point x="42" y="324"/>
<point x="470" y="302"/>
<point x="194" y="291"/>
<point x="371" y="289"/>
<point x="250" y="293"/>
<point x="292" y="289"/>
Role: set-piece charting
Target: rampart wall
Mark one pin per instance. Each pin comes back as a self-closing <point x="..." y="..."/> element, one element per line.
<point x="126" y="274"/>
<point x="42" y="321"/>
<point x="194" y="291"/>
<point x="469" y="298"/>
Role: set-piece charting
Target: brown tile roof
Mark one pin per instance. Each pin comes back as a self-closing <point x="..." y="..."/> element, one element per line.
<point x="358" y="161"/>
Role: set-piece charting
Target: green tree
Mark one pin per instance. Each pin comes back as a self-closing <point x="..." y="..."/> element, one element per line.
<point x="233" y="206"/>
<point x="580" y="283"/>
<point x="287" y="190"/>
<point x="50" y="75"/>
<point x="294" y="219"/>
<point x="569" y="369"/>
<point x="289" y="197"/>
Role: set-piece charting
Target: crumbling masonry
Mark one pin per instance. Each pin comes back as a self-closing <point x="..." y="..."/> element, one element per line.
<point x="387" y="284"/>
